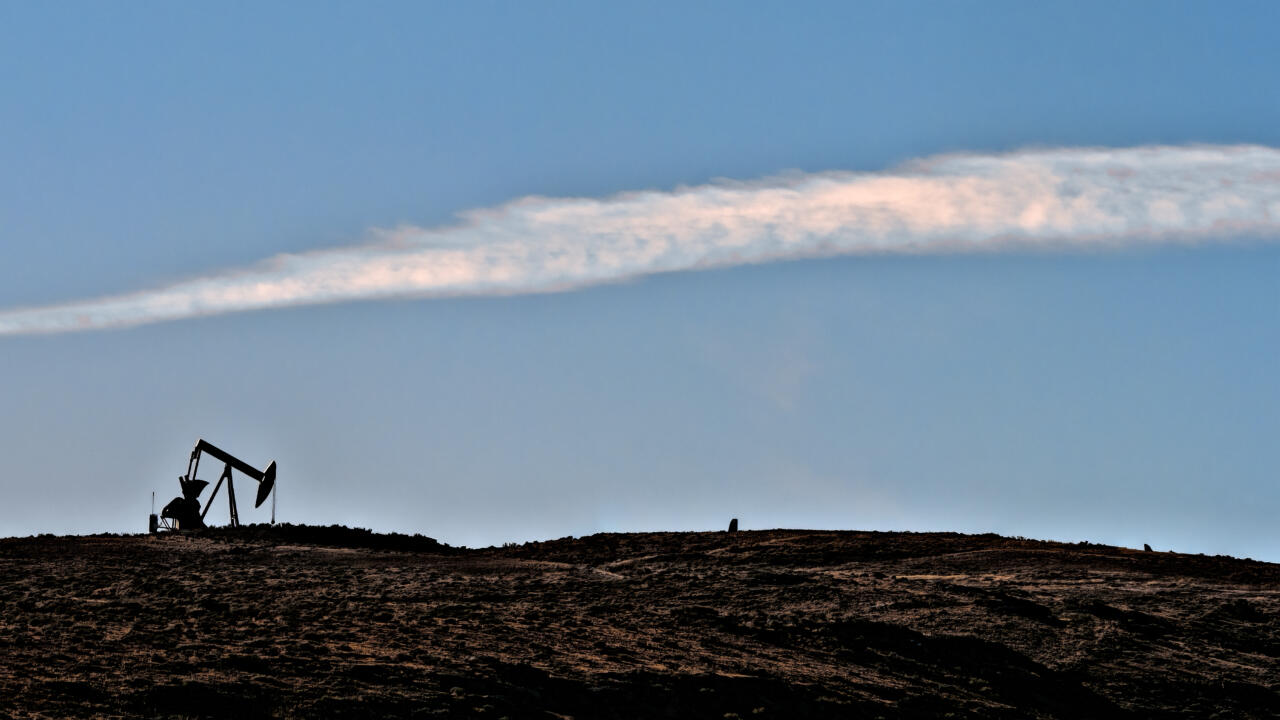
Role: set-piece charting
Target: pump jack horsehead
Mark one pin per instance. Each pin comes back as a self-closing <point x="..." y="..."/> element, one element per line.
<point x="185" y="513"/>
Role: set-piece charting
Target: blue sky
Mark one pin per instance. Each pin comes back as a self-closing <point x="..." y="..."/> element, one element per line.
<point x="1122" y="395"/>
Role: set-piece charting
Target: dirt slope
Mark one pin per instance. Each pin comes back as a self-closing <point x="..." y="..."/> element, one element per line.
<point x="314" y="622"/>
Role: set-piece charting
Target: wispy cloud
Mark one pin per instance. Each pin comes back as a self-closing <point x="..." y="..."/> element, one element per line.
<point x="1075" y="197"/>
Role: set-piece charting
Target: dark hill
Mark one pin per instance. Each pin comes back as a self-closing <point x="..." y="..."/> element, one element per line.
<point x="298" y="621"/>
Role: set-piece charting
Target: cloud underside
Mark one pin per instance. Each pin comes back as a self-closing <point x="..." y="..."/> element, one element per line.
<point x="1068" y="198"/>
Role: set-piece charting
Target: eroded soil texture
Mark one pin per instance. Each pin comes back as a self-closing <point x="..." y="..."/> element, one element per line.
<point x="316" y="622"/>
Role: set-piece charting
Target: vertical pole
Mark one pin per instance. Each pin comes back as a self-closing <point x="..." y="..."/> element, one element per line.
<point x="231" y="495"/>
<point x="193" y="465"/>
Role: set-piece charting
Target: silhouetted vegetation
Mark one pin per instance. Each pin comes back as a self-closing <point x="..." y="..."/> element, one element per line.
<point x="327" y="535"/>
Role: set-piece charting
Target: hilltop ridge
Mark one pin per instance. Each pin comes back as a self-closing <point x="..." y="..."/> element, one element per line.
<point x="298" y="621"/>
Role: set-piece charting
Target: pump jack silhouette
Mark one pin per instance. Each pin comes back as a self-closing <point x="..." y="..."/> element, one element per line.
<point x="185" y="513"/>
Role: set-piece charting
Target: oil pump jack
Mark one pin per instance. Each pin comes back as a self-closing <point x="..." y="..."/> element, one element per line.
<point x="185" y="513"/>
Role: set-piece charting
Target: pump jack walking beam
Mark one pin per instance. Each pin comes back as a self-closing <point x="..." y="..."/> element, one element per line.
<point x="204" y="446"/>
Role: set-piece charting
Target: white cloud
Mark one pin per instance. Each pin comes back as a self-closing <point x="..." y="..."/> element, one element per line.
<point x="1074" y="197"/>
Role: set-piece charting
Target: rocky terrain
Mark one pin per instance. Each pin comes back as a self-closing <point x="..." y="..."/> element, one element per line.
<point x="295" y="622"/>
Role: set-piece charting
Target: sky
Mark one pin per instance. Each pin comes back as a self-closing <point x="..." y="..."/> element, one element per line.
<point x="498" y="272"/>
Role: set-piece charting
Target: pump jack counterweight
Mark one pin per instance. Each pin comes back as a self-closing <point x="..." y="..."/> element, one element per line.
<point x="185" y="513"/>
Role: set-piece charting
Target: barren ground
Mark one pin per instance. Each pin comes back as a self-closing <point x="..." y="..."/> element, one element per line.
<point x="314" y="622"/>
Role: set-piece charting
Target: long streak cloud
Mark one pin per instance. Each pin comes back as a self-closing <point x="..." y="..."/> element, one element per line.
<point x="1066" y="198"/>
